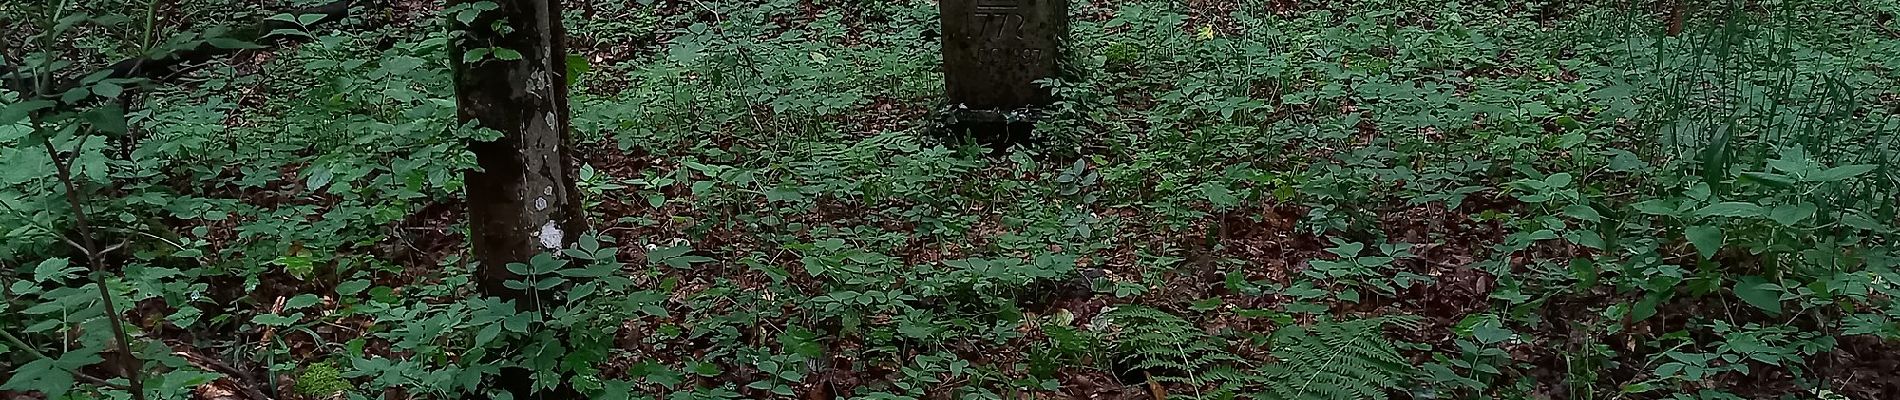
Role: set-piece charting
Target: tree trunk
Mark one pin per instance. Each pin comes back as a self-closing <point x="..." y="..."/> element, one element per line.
<point x="1677" y="15"/>
<point x="523" y="200"/>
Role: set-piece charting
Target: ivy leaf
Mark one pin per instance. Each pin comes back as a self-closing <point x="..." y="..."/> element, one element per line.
<point x="1760" y="293"/>
<point x="1707" y="239"/>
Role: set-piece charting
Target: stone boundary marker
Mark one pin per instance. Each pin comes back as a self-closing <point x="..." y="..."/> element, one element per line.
<point x="994" y="51"/>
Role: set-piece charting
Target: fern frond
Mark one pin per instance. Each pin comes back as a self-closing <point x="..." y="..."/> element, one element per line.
<point x="1347" y="360"/>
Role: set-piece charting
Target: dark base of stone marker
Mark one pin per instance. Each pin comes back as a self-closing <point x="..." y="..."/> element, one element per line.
<point x="992" y="129"/>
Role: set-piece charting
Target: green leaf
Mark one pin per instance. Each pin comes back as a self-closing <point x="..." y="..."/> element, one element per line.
<point x="52" y="269"/>
<point x="41" y="375"/>
<point x="506" y="54"/>
<point x="615" y="389"/>
<point x="475" y="54"/>
<point x="577" y="66"/>
<point x="1583" y="213"/>
<point x="1790" y="214"/>
<point x="1559" y="180"/>
<point x="1839" y="173"/>
<point x="1707" y="239"/>
<point x="352" y="287"/>
<point x="1624" y="161"/>
<point x="1730" y="209"/>
<point x="307" y="19"/>
<point x="1219" y="195"/>
<point x="1490" y="333"/>
<point x="276" y="320"/>
<point x="109" y="119"/>
<point x="1760" y="293"/>
<point x="319" y="178"/>
<point x="230" y="43"/>
<point x="108" y="89"/>
<point x="1645" y="308"/>
<point x="301" y="301"/>
<point x="705" y="369"/>
<point x="18" y="111"/>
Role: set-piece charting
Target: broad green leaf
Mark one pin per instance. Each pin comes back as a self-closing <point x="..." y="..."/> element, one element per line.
<point x="107" y="120"/>
<point x="1790" y="214"/>
<point x="615" y="389"/>
<point x="1490" y="333"/>
<point x="1219" y="195"/>
<point x="506" y="54"/>
<point x="1771" y="179"/>
<point x="108" y="89"/>
<point x="1582" y="212"/>
<point x="318" y="178"/>
<point x="352" y="287"/>
<point x="42" y="375"/>
<point x="1707" y="239"/>
<point x="276" y="320"/>
<point x="1839" y="173"/>
<point x="1559" y="180"/>
<point x="1730" y="209"/>
<point x="577" y="67"/>
<point x="1625" y="161"/>
<point x="230" y="43"/>
<point x="301" y="301"/>
<point x="15" y="112"/>
<point x="1760" y="293"/>
<point x="52" y="269"/>
<point x="475" y="54"/>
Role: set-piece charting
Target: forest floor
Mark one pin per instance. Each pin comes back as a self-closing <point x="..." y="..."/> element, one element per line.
<point x="1278" y="199"/>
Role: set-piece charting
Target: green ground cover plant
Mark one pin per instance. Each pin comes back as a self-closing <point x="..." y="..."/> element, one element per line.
<point x="1231" y="199"/>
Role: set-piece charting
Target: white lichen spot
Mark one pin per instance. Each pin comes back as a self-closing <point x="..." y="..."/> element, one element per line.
<point x="552" y="123"/>
<point x="540" y="204"/>
<point x="538" y="84"/>
<point x="550" y="236"/>
<point x="547" y="191"/>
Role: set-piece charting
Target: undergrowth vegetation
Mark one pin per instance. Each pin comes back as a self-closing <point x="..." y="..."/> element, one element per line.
<point x="1272" y="200"/>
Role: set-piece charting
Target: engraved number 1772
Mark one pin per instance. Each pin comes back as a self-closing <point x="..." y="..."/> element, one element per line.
<point x="998" y="25"/>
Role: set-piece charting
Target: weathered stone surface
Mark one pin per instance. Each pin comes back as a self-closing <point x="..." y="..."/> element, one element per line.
<point x="995" y="50"/>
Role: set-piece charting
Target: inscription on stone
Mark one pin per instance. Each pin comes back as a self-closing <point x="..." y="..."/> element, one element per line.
<point x="995" y="50"/>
